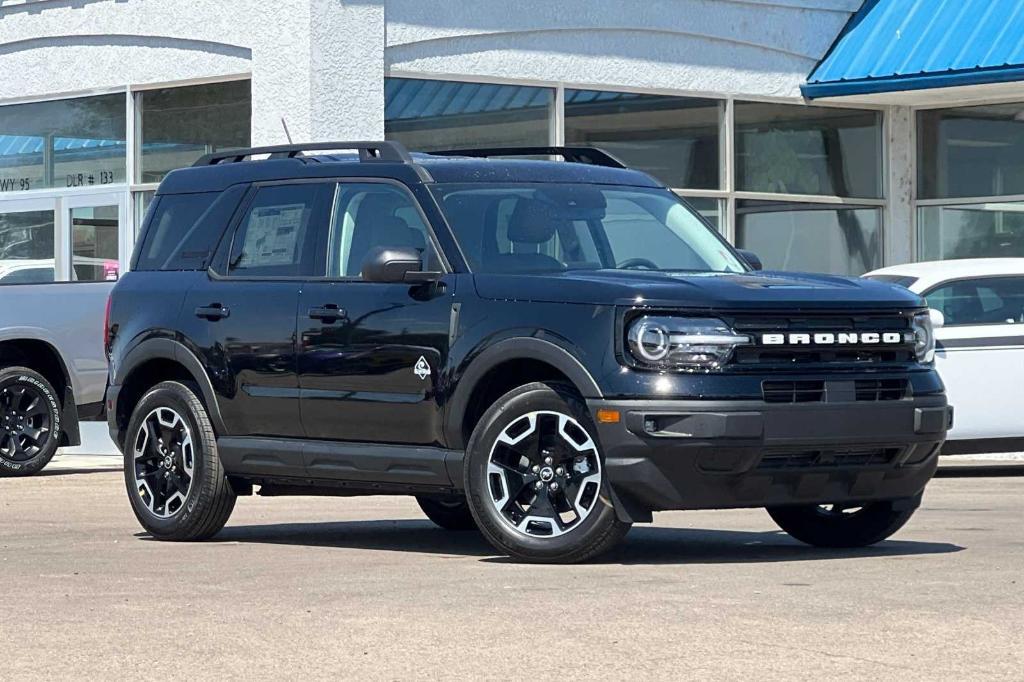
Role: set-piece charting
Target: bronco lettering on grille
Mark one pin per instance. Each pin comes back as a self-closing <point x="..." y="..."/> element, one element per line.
<point x="836" y="338"/>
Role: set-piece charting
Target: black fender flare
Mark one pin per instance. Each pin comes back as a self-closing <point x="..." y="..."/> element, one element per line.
<point x="516" y="348"/>
<point x="175" y="351"/>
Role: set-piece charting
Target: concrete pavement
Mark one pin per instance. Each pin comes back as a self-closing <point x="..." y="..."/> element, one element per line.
<point x="366" y="588"/>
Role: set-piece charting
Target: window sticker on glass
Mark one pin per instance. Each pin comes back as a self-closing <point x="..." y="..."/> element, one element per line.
<point x="272" y="236"/>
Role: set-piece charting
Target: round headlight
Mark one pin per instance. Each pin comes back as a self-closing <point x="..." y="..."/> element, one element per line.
<point x="682" y="343"/>
<point x="649" y="340"/>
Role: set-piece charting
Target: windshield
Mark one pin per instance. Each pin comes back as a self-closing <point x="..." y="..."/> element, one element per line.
<point x="523" y="227"/>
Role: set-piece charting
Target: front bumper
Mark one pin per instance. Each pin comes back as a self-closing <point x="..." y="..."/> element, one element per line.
<point x="688" y="454"/>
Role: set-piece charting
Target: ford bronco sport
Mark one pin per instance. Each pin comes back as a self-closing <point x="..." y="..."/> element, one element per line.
<point x="546" y="350"/>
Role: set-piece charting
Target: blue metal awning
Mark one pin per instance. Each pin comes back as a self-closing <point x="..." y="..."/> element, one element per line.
<point x="896" y="45"/>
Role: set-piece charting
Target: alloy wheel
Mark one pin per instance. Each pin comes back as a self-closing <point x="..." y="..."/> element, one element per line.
<point x="164" y="462"/>
<point x="544" y="474"/>
<point x="24" y="422"/>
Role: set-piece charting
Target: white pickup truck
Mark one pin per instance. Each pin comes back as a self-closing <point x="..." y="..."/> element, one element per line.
<point x="53" y="368"/>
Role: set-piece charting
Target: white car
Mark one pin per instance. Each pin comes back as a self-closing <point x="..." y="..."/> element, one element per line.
<point x="980" y="345"/>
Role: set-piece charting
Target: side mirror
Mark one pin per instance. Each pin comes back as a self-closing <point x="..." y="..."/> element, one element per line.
<point x="388" y="264"/>
<point x="751" y="258"/>
<point x="938" y="319"/>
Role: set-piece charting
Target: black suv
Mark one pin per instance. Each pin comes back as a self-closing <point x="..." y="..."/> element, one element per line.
<point x="547" y="350"/>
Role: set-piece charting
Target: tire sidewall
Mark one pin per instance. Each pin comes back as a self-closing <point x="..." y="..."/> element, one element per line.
<point x="16" y="376"/>
<point x="512" y="406"/>
<point x="177" y="397"/>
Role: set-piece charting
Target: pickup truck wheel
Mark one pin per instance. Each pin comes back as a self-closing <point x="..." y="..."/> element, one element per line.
<point x="836" y="525"/>
<point x="535" y="478"/>
<point x="175" y="481"/>
<point x="29" y="422"/>
<point x="450" y="512"/>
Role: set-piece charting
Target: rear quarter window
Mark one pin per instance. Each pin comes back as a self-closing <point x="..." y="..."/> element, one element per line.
<point x="182" y="230"/>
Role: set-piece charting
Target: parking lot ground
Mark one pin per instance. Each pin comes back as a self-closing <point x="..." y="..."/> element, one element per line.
<point x="366" y="588"/>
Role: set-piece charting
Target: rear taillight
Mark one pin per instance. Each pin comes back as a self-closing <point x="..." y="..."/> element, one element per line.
<point x="108" y="338"/>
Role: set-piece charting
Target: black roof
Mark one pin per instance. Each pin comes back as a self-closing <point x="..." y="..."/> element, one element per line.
<point x="217" y="172"/>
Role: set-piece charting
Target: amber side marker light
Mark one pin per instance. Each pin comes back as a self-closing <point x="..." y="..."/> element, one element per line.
<point x="608" y="416"/>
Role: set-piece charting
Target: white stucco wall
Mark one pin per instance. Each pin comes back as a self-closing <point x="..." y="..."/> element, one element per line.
<point x="753" y="47"/>
<point x="317" y="63"/>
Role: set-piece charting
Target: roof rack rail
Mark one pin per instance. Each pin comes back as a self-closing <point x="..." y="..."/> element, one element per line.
<point x="588" y="155"/>
<point x="393" y="152"/>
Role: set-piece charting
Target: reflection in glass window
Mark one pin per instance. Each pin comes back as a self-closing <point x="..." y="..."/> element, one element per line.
<point x="971" y="151"/>
<point x="62" y="143"/>
<point x="181" y="124"/>
<point x="674" y="139"/>
<point x="26" y="247"/>
<point x="94" y="240"/>
<point x="430" y="115"/>
<point x="994" y="229"/>
<point x="792" y="149"/>
<point x="708" y="207"/>
<point x="844" y="240"/>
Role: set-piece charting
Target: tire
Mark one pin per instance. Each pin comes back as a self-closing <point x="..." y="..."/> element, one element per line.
<point x="30" y="422"/>
<point x="838" y="527"/>
<point x="541" y="435"/>
<point x="450" y="512"/>
<point x="178" y="492"/>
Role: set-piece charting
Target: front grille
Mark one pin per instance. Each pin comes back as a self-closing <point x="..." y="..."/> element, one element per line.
<point x="787" y="356"/>
<point x="880" y="389"/>
<point x="793" y="391"/>
<point x="828" y="459"/>
<point x="819" y="390"/>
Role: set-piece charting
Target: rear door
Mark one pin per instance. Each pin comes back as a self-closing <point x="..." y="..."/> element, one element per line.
<point x="980" y="353"/>
<point x="371" y="354"/>
<point x="243" y="312"/>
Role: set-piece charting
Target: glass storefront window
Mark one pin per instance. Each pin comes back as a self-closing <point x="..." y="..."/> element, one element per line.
<point x="971" y="151"/>
<point x="62" y="143"/>
<point x="428" y="115"/>
<point x="842" y="240"/>
<point x="181" y="124"/>
<point x="94" y="242"/>
<point x="674" y="139"/>
<point x="792" y="149"/>
<point x="26" y="247"/>
<point x="994" y="229"/>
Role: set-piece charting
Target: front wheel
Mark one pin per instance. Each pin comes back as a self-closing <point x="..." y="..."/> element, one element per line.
<point x="176" y="484"/>
<point x="535" y="478"/>
<point x="836" y="525"/>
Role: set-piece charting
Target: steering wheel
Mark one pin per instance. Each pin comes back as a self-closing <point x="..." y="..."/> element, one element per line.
<point x="633" y="263"/>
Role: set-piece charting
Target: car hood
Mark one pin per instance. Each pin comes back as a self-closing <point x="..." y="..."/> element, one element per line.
<point x="697" y="290"/>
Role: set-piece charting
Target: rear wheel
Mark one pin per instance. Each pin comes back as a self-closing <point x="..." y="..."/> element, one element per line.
<point x="176" y="484"/>
<point x="29" y="422"/>
<point x="535" y="478"/>
<point x="836" y="525"/>
<point x="450" y="512"/>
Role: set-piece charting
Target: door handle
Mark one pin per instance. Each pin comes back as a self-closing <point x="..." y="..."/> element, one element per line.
<point x="212" y="312"/>
<point x="328" y="313"/>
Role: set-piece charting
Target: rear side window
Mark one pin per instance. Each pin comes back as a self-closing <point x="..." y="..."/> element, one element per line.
<point x="279" y="234"/>
<point x="184" y="229"/>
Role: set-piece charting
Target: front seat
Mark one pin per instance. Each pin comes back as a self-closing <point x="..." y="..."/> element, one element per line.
<point x="533" y="223"/>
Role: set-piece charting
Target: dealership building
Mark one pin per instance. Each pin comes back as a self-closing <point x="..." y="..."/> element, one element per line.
<point x="825" y="135"/>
